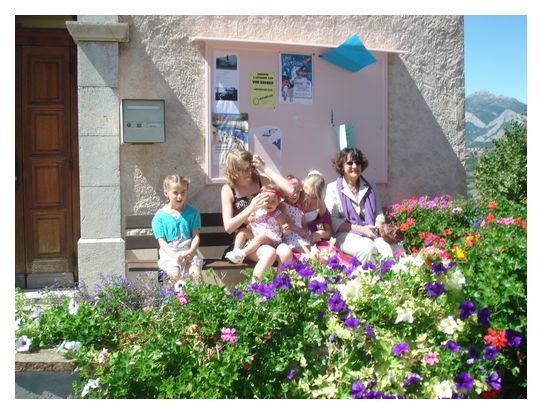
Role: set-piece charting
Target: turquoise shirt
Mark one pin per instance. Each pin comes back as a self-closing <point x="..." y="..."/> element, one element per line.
<point x="176" y="228"/>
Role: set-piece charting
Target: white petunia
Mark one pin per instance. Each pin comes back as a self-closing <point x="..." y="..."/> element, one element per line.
<point x="404" y="314"/>
<point x="350" y="291"/>
<point x="179" y="285"/>
<point x="456" y="280"/>
<point x="443" y="390"/>
<point x="448" y="325"/>
<point x="17" y="323"/>
<point x="399" y="267"/>
<point x="73" y="307"/>
<point x="22" y="344"/>
<point x="91" y="384"/>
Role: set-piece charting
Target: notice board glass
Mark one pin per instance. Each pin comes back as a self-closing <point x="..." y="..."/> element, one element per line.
<point x="248" y="102"/>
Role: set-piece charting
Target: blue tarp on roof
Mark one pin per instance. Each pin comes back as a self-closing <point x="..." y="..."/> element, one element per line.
<point x="350" y="55"/>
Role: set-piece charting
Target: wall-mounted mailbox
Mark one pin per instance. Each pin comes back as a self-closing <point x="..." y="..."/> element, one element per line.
<point x="143" y="121"/>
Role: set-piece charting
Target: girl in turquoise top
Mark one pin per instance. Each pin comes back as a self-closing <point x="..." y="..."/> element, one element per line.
<point x="176" y="226"/>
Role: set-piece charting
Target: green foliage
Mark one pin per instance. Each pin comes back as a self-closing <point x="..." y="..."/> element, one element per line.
<point x="141" y="341"/>
<point x="502" y="172"/>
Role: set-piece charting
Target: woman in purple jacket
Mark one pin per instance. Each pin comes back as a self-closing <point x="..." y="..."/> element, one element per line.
<point x="355" y="208"/>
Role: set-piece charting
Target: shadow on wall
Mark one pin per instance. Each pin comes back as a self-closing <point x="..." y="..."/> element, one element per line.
<point x="144" y="166"/>
<point x="421" y="160"/>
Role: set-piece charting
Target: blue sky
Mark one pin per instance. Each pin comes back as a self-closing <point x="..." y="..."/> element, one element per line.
<point x="496" y="55"/>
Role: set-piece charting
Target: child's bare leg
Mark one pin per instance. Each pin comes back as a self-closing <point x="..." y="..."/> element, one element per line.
<point x="173" y="276"/>
<point x="256" y="242"/>
<point x="195" y="272"/>
<point x="241" y="238"/>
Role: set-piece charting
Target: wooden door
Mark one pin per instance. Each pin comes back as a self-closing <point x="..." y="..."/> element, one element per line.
<point x="47" y="201"/>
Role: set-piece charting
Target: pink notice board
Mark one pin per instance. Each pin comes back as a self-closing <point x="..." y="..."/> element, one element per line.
<point x="305" y="133"/>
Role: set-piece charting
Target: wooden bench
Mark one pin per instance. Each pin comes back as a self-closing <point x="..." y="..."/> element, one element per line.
<point x="212" y="234"/>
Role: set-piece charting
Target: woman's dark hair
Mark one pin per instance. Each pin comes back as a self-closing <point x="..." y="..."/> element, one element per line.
<point x="356" y="155"/>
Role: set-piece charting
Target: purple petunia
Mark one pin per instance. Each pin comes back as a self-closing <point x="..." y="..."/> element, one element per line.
<point x="317" y="287"/>
<point x="354" y="261"/>
<point x="282" y="282"/>
<point x="235" y="293"/>
<point x="412" y="378"/>
<point x="386" y="265"/>
<point x="473" y="355"/>
<point x="434" y="290"/>
<point x="305" y="272"/>
<point x="369" y="332"/>
<point x="463" y="382"/>
<point x="438" y="268"/>
<point x="400" y="348"/>
<point x="490" y="352"/>
<point x="513" y="338"/>
<point x="466" y="309"/>
<point x="290" y="375"/>
<point x="368" y="266"/>
<point x="264" y="290"/>
<point x="358" y="389"/>
<point x="483" y="316"/>
<point x="494" y="381"/>
<point x="451" y="345"/>
<point x="352" y="322"/>
<point x="335" y="303"/>
<point x="334" y="262"/>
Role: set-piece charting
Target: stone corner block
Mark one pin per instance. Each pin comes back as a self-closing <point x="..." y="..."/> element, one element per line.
<point x="99" y="258"/>
<point x="98" y="32"/>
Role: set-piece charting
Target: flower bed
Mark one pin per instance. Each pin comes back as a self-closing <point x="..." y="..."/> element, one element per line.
<point x="445" y="320"/>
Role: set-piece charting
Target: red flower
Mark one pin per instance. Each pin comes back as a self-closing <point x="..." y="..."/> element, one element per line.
<point x="496" y="338"/>
<point x="422" y="235"/>
<point x="489" y="394"/>
<point x="490" y="218"/>
<point x="523" y="224"/>
<point x="404" y="227"/>
<point x="492" y="204"/>
<point x="410" y="221"/>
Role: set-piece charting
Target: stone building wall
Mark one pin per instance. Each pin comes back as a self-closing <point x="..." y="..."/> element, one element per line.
<point x="426" y="135"/>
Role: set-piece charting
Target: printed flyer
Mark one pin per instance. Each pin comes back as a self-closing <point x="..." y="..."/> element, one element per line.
<point x="226" y="82"/>
<point x="262" y="89"/>
<point x="296" y="78"/>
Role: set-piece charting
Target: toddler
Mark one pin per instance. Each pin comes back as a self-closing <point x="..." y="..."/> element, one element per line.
<point x="176" y="226"/>
<point x="295" y="231"/>
<point x="265" y="227"/>
<point x="317" y="215"/>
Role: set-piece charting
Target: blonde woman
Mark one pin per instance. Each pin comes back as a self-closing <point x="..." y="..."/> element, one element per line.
<point x="245" y="174"/>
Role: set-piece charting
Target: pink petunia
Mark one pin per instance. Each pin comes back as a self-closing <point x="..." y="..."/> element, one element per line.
<point x="228" y="335"/>
<point x="431" y="358"/>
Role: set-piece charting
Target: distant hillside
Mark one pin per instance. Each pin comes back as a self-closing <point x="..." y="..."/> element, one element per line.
<point x="486" y="115"/>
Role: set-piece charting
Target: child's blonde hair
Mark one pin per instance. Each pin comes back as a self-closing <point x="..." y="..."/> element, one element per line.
<point x="316" y="180"/>
<point x="175" y="179"/>
<point x="233" y="165"/>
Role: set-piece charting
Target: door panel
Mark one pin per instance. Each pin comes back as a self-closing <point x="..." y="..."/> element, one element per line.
<point x="45" y="125"/>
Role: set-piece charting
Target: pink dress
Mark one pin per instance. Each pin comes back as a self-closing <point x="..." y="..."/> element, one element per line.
<point x="266" y="224"/>
<point x="293" y="239"/>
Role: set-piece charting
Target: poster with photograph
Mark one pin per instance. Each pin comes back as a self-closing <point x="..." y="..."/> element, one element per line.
<point x="296" y="78"/>
<point x="228" y="131"/>
<point x="226" y="82"/>
<point x="262" y="89"/>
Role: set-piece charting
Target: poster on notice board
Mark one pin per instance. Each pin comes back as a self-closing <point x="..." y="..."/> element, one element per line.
<point x="296" y="78"/>
<point x="226" y="82"/>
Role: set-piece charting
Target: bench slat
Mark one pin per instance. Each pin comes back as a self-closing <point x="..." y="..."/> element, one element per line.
<point x="144" y="221"/>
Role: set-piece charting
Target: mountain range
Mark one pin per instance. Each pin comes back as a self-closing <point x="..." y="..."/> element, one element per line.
<point x="487" y="114"/>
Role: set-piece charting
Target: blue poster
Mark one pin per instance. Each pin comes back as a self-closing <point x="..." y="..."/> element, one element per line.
<point x="296" y="79"/>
